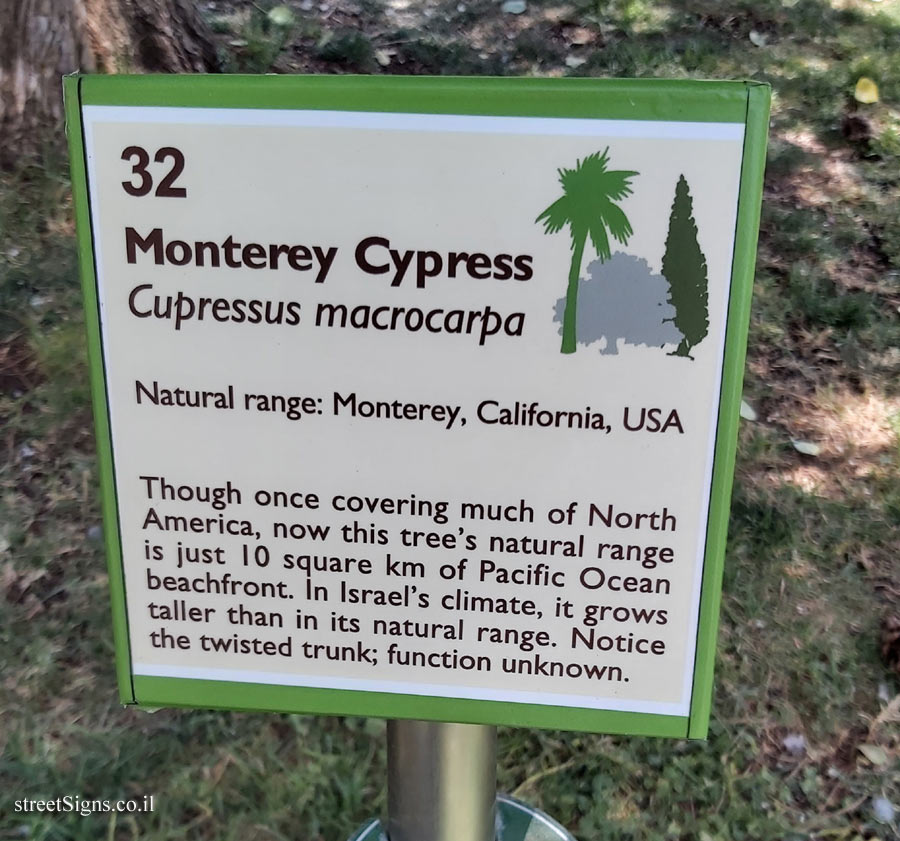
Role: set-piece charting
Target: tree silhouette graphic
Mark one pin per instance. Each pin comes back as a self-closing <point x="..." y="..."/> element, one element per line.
<point x="684" y="267"/>
<point x="587" y="207"/>
<point x="623" y="300"/>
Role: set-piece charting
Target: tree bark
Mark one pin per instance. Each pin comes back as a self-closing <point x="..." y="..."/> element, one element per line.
<point x="40" y="40"/>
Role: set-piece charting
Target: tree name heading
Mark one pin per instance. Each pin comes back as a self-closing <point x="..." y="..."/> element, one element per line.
<point x="373" y="255"/>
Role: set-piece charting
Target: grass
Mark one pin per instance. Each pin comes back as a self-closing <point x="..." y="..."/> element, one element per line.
<point x="813" y="545"/>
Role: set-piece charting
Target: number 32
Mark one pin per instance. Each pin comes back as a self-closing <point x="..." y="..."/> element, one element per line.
<point x="140" y="159"/>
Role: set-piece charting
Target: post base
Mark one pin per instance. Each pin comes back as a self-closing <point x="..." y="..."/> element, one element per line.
<point x="516" y="821"/>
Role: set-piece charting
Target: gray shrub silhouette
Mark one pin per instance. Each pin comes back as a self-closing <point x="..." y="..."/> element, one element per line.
<point x="622" y="299"/>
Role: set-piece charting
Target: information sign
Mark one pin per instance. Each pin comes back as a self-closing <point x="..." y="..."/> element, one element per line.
<point x="418" y="397"/>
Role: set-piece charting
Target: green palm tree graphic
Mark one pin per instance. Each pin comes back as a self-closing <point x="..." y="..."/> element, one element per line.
<point x="587" y="207"/>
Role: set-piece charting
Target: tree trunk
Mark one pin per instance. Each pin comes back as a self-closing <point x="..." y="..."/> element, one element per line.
<point x="40" y="40"/>
<point x="570" y="315"/>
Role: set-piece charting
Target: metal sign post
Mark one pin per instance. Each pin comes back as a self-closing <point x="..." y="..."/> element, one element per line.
<point x="441" y="781"/>
<point x="442" y="787"/>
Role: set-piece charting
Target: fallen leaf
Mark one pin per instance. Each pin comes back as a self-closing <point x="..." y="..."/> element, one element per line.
<point x="216" y="772"/>
<point x="281" y="16"/>
<point x="883" y="810"/>
<point x="747" y="411"/>
<point x="876" y="754"/>
<point x="866" y="91"/>
<point x="808" y="448"/>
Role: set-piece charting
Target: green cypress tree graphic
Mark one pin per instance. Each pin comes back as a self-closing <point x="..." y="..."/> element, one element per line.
<point x="684" y="267"/>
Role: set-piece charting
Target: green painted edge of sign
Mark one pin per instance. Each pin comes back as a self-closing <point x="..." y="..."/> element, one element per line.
<point x="263" y="697"/>
<point x="108" y="501"/>
<point x="742" y="274"/>
<point x="686" y="100"/>
<point x="498" y="97"/>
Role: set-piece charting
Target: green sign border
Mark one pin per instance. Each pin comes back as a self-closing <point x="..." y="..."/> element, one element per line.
<point x="644" y="99"/>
